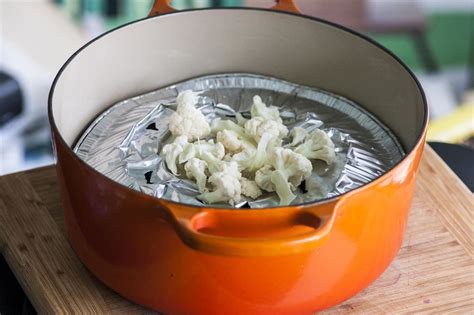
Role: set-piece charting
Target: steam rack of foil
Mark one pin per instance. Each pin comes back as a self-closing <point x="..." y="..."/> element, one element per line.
<point x="124" y="141"/>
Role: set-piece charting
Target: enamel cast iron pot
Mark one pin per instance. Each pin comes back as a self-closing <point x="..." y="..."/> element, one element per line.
<point x="182" y="259"/>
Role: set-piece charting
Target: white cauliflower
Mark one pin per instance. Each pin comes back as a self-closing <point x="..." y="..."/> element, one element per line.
<point x="171" y="151"/>
<point x="189" y="152"/>
<point x="234" y="142"/>
<point x="263" y="178"/>
<point x="257" y="126"/>
<point x="250" y="145"/>
<point x="214" y="164"/>
<point x="268" y="135"/>
<point x="259" y="109"/>
<point x="216" y="149"/>
<point x="229" y="139"/>
<point x="298" y="135"/>
<point x="290" y="170"/>
<point x="319" y="146"/>
<point x="188" y="120"/>
<point x="194" y="150"/>
<point x="221" y="124"/>
<point x="226" y="185"/>
<point x="249" y="188"/>
<point x="260" y="157"/>
<point x="226" y="189"/>
<point x="243" y="157"/>
<point x="231" y="168"/>
<point x="196" y="169"/>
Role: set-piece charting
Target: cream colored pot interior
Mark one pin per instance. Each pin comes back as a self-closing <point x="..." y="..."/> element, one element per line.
<point x="160" y="51"/>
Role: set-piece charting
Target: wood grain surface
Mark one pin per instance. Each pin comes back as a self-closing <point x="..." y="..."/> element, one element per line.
<point x="433" y="272"/>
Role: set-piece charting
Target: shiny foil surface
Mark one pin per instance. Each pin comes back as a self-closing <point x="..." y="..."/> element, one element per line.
<point x="124" y="142"/>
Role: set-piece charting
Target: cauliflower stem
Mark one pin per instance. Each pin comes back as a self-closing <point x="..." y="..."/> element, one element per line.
<point x="282" y="188"/>
<point x="196" y="169"/>
<point x="290" y="170"/>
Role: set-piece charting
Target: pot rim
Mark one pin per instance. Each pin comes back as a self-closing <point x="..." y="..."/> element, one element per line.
<point x="419" y="138"/>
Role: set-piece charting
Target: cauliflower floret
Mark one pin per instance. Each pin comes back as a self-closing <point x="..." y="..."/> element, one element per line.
<point x="290" y="170"/>
<point x="263" y="178"/>
<point x="259" y="109"/>
<point x="233" y="142"/>
<point x="188" y="120"/>
<point x="221" y="124"/>
<point x="187" y="97"/>
<point x="257" y="126"/>
<point x="260" y="157"/>
<point x="268" y="134"/>
<point x="226" y="189"/>
<point x="194" y="150"/>
<point x="196" y="169"/>
<point x="230" y="140"/>
<point x="298" y="135"/>
<point x="214" y="164"/>
<point x="249" y="188"/>
<point x="296" y="166"/>
<point x="171" y="151"/>
<point x="243" y="157"/>
<point x="318" y="145"/>
<point x="216" y="149"/>
<point x="226" y="185"/>
<point x="231" y="168"/>
<point x="189" y="152"/>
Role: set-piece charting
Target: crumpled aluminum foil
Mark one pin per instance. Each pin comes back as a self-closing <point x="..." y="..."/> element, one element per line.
<point x="124" y="142"/>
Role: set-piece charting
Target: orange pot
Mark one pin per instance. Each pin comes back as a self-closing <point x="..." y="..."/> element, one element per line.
<point x="181" y="259"/>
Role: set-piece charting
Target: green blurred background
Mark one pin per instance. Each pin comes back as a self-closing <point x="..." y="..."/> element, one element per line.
<point x="449" y="36"/>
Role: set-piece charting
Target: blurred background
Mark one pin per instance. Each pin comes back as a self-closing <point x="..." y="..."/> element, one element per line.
<point x="434" y="37"/>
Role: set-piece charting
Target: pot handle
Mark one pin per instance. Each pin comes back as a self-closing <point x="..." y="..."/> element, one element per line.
<point x="163" y="6"/>
<point x="262" y="232"/>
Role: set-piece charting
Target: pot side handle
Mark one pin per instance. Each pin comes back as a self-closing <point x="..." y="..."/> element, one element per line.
<point x="163" y="6"/>
<point x="251" y="233"/>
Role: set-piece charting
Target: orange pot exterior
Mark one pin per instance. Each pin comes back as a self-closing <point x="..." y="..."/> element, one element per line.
<point x="126" y="239"/>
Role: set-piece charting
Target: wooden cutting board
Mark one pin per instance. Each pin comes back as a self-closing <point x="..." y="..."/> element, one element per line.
<point x="433" y="272"/>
